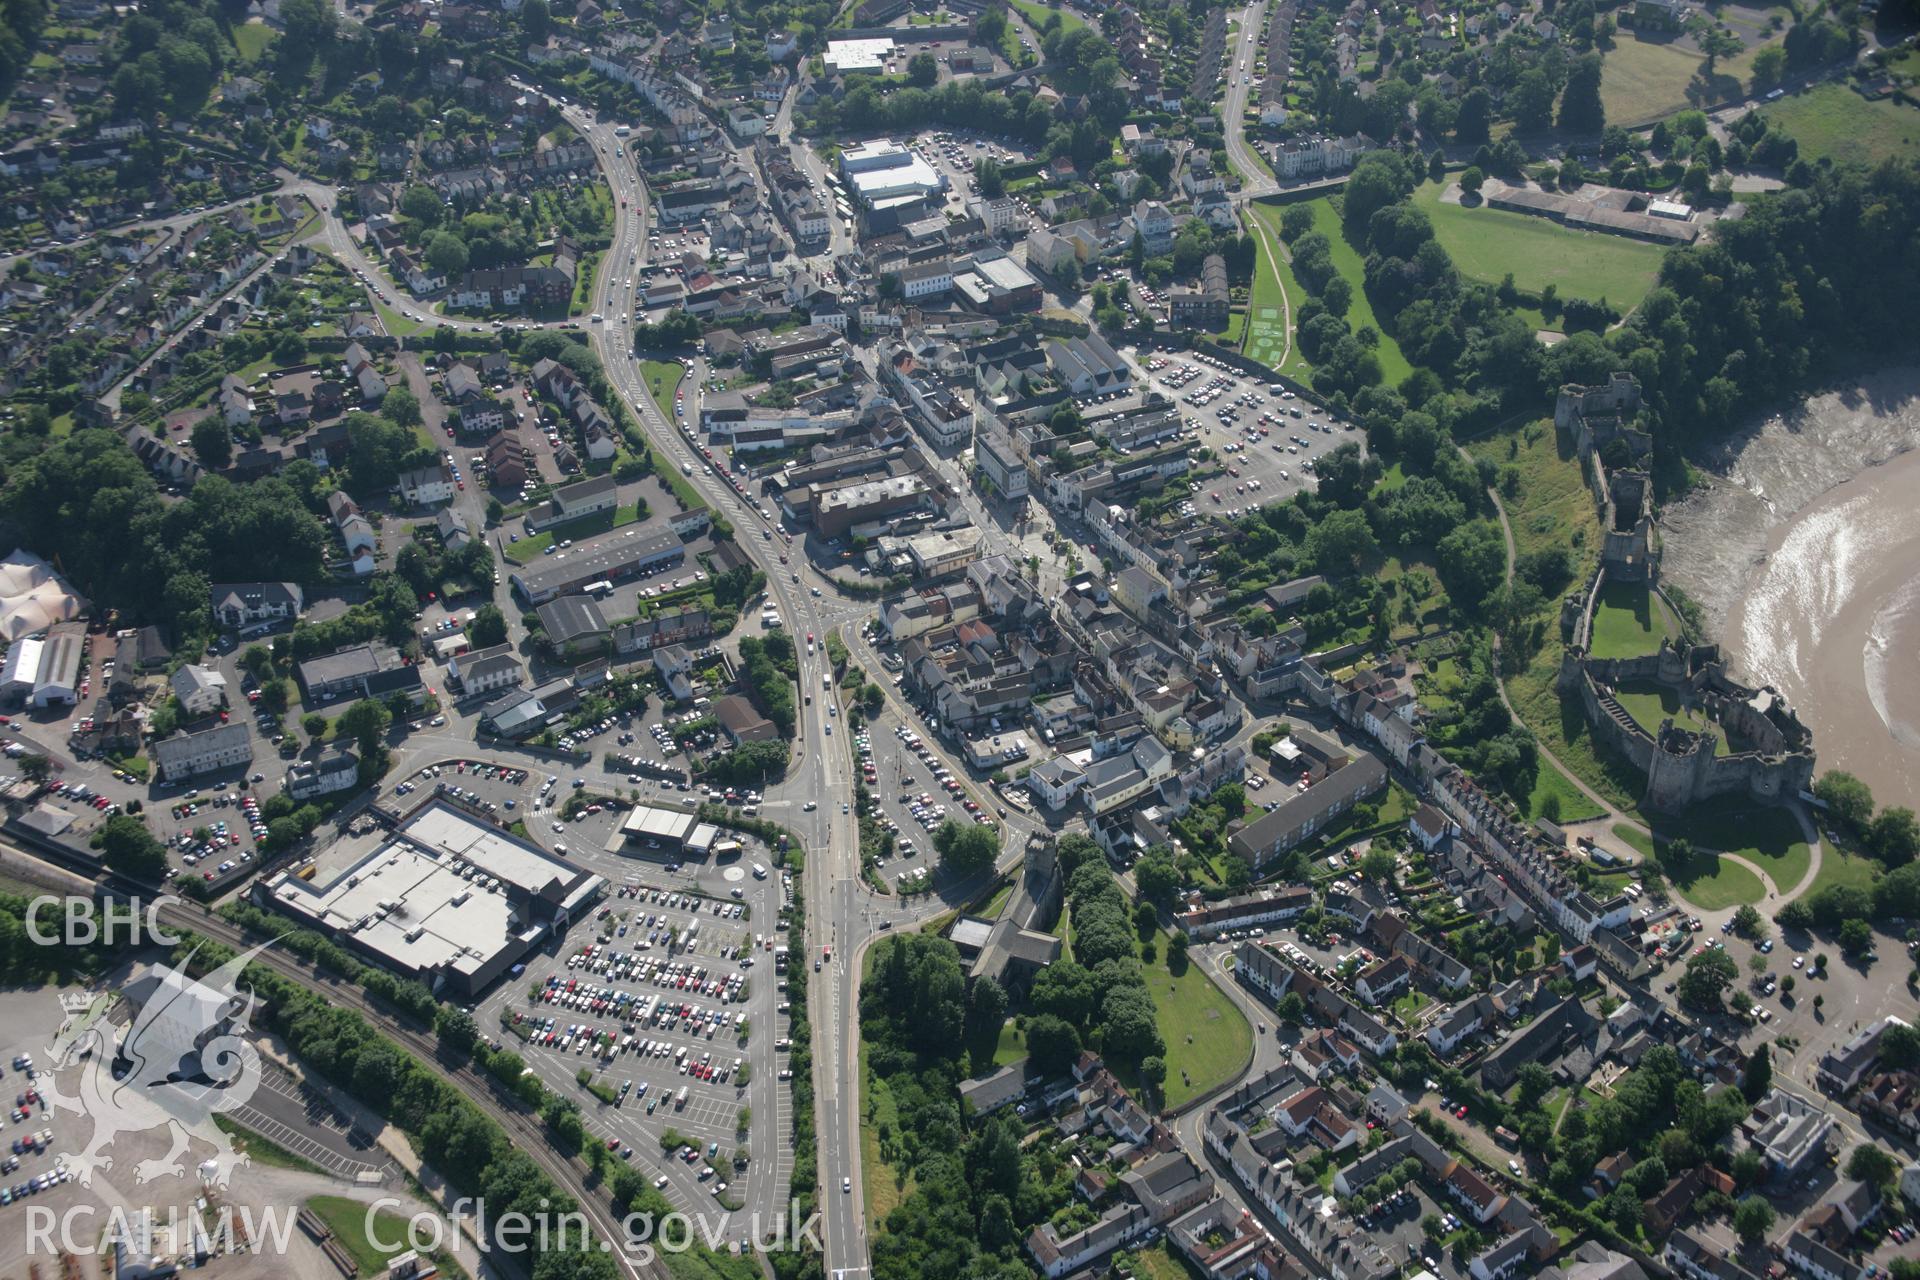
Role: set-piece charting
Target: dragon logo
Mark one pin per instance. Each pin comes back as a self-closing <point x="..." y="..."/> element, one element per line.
<point x="182" y="1060"/>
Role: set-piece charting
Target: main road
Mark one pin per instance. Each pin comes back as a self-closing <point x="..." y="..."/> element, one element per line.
<point x="841" y="914"/>
<point x="1255" y="180"/>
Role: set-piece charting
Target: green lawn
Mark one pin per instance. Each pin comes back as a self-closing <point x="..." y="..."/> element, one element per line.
<point x="884" y="1189"/>
<point x="396" y="324"/>
<point x="1768" y="837"/>
<point x="1639" y="842"/>
<point x="1629" y="621"/>
<point x="1208" y="1038"/>
<point x="1712" y="883"/>
<point x="1346" y="259"/>
<point x="250" y="41"/>
<point x="1832" y="121"/>
<point x="1649" y="704"/>
<point x="1642" y="80"/>
<point x="1012" y="1045"/>
<point x="533" y="548"/>
<point x="1574" y="805"/>
<point x="662" y="378"/>
<point x="1276" y="295"/>
<point x="1486" y="244"/>
<point x="1550" y="507"/>
<point x="350" y="1220"/>
<point x="1840" y="868"/>
<point x="1036" y="15"/>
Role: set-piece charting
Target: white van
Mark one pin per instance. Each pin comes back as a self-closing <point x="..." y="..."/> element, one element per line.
<point x="759" y="871"/>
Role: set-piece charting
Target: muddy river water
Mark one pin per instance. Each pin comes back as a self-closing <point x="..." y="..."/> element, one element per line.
<point x="1802" y="546"/>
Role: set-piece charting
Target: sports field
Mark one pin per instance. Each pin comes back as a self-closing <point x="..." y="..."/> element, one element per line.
<point x="1486" y="244"/>
<point x="1831" y="121"/>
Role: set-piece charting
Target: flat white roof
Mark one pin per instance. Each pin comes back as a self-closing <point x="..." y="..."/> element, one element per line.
<point x="859" y="55"/>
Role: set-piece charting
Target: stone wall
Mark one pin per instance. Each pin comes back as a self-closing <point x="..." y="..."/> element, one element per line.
<point x="1684" y="768"/>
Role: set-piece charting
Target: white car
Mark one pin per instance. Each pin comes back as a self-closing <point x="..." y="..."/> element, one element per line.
<point x="846" y="1185"/>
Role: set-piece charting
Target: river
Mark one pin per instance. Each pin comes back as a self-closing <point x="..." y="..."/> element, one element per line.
<point x="1802" y="547"/>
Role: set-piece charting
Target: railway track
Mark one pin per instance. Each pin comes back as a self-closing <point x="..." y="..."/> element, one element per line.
<point x="524" y="1129"/>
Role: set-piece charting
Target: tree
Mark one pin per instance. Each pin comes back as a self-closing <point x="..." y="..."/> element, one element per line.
<point x="422" y="204"/>
<point x="447" y="253"/>
<point x="1758" y="1077"/>
<point x="1474" y="124"/>
<point x="1052" y="1043"/>
<point x="536" y="19"/>
<point x="1856" y="937"/>
<point x="489" y="627"/>
<point x="129" y="848"/>
<point x="1716" y="44"/>
<point x="1705" y="982"/>
<point x="1153" y="1070"/>
<point x="1292" y="1009"/>
<point x="315" y="724"/>
<point x="1534" y="1082"/>
<point x="1749" y="924"/>
<point x="366" y="722"/>
<point x="923" y="70"/>
<point x="212" y="443"/>
<point x="965" y="848"/>
<point x="1848" y="799"/>
<point x="1156" y="876"/>
<point x="1894" y="836"/>
<point x="1871" y="1165"/>
<point x="1752" y="1219"/>
<point x="456" y="1029"/>
<point x="1580" y="107"/>
<point x="1342" y="543"/>
<point x="401" y="407"/>
<point x="1769" y="66"/>
<point x="1379" y="864"/>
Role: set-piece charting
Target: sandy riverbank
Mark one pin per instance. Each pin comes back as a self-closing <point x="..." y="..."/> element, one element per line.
<point x="1803" y="549"/>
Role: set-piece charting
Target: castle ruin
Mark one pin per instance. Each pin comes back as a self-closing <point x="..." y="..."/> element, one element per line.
<point x="1770" y="755"/>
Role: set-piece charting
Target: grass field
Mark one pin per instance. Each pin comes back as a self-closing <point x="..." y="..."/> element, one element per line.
<point x="350" y="1220"/>
<point x="1639" y="842"/>
<point x="1832" y="121"/>
<point x="1574" y="805"/>
<point x="1712" y="883"/>
<point x="250" y="41"/>
<point x="1642" y="80"/>
<point x="1841" y="868"/>
<point x="1486" y="244"/>
<point x="1346" y="259"/>
<point x="1628" y="621"/>
<point x="663" y="377"/>
<point x="1767" y="837"/>
<point x="883" y="1187"/>
<point x="1036" y="15"/>
<point x="1012" y="1045"/>
<point x="397" y="325"/>
<point x="1276" y="295"/>
<point x="1208" y="1038"/>
<point x="1650" y="704"/>
<point x="1552" y="507"/>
